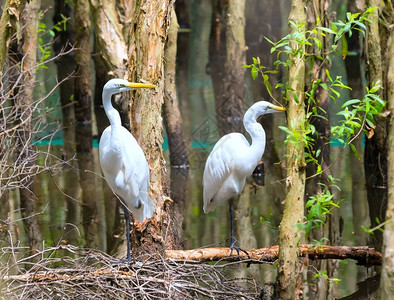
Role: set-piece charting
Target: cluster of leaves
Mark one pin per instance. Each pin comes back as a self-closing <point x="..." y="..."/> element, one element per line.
<point x="43" y="32"/>
<point x="323" y="274"/>
<point x="357" y="113"/>
<point x="294" y="44"/>
<point x="319" y="206"/>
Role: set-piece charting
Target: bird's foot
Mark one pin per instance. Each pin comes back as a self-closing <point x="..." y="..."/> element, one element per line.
<point x="127" y="260"/>
<point x="238" y="249"/>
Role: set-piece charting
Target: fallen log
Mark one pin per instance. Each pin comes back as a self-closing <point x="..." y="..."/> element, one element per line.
<point x="364" y="255"/>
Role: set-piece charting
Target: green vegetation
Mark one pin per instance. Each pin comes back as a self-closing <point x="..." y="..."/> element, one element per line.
<point x="357" y="114"/>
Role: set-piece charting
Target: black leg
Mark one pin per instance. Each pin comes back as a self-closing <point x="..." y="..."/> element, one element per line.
<point x="127" y="218"/>
<point x="231" y="211"/>
<point x="232" y="240"/>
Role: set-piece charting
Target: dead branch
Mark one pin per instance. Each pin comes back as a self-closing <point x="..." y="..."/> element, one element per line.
<point x="364" y="255"/>
<point x="70" y="272"/>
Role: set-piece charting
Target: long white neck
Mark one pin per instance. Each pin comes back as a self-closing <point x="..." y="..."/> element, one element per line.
<point x="112" y="114"/>
<point x="255" y="130"/>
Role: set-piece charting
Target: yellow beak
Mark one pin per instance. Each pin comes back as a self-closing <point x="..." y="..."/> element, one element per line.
<point x="279" y="108"/>
<point x="135" y="85"/>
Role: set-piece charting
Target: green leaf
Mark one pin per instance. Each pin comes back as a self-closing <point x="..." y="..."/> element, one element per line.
<point x="350" y="102"/>
<point x="355" y="151"/>
<point x="278" y="85"/>
<point x="328" y="75"/>
<point x="255" y="72"/>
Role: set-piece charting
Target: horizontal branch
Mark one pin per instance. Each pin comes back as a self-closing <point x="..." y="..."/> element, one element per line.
<point x="364" y="255"/>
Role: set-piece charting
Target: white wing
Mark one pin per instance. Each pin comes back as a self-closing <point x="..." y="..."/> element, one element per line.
<point x="125" y="167"/>
<point x="220" y="168"/>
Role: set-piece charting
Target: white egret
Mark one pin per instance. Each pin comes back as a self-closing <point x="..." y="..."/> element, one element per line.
<point x="232" y="160"/>
<point x="122" y="160"/>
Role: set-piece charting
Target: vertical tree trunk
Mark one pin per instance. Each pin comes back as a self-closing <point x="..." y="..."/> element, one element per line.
<point x="147" y="36"/>
<point x="355" y="76"/>
<point x="29" y="24"/>
<point x="375" y="159"/>
<point x="233" y="102"/>
<point x="227" y="72"/>
<point x="172" y="115"/>
<point x="65" y="68"/>
<point x="387" y="277"/>
<point x="9" y="21"/>
<point x="110" y="57"/>
<point x="110" y="61"/>
<point x="174" y="127"/>
<point x="83" y="129"/>
<point x="289" y="267"/>
<point x="319" y="11"/>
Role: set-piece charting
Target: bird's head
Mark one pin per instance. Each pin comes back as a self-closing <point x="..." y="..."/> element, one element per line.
<point x="269" y="108"/>
<point x="118" y="85"/>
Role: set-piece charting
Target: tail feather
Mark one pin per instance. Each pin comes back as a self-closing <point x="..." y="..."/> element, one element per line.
<point x="146" y="210"/>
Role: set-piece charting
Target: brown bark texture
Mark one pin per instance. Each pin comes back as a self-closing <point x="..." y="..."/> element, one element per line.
<point x="110" y="55"/>
<point x="289" y="267"/>
<point x="375" y="155"/>
<point x="231" y="107"/>
<point x="147" y="37"/>
<point x="29" y="25"/>
<point x="387" y="276"/>
<point x="228" y="36"/>
<point x="172" y="116"/>
<point x="10" y="24"/>
<point x="65" y="68"/>
<point x="83" y="116"/>
<point x="364" y="255"/>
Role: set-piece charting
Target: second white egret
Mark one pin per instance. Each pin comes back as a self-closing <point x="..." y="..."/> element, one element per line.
<point x="232" y="160"/>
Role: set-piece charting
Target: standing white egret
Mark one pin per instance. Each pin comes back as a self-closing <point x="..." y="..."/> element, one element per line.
<point x="232" y="160"/>
<point x="122" y="160"/>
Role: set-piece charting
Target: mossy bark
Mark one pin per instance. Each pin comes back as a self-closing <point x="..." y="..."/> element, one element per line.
<point x="289" y="267"/>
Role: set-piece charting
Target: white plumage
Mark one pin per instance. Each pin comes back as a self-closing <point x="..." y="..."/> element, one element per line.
<point x="122" y="160"/>
<point x="233" y="159"/>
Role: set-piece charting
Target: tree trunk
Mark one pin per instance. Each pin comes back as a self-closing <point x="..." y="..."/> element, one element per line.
<point x="319" y="11"/>
<point x="289" y="267"/>
<point x="172" y="115"/>
<point x="147" y="36"/>
<point x="174" y="127"/>
<point x="110" y="56"/>
<point x="227" y="36"/>
<point x="24" y="147"/>
<point x="110" y="60"/>
<point x="375" y="159"/>
<point x="355" y="76"/>
<point x="83" y="129"/>
<point x="231" y="108"/>
<point x="387" y="277"/>
<point x="65" y="68"/>
<point x="9" y="21"/>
